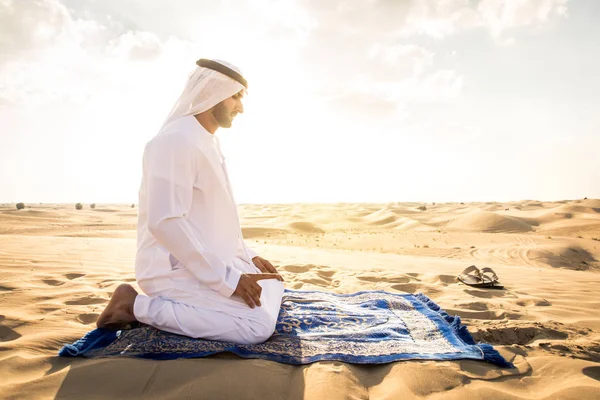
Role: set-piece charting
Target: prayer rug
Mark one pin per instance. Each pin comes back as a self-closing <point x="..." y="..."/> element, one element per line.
<point x="371" y="327"/>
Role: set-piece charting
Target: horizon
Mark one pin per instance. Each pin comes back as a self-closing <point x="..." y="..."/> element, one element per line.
<point x="422" y="101"/>
<point x="29" y="204"/>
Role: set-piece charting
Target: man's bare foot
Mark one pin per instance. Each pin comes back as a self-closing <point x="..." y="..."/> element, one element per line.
<point x="119" y="311"/>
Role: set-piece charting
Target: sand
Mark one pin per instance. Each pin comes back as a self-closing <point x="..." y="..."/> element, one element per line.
<point x="59" y="266"/>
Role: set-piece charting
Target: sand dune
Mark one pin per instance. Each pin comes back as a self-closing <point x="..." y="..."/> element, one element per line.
<point x="59" y="266"/>
<point x="305" y="226"/>
<point x="380" y="217"/>
<point x="486" y="221"/>
<point x="592" y="203"/>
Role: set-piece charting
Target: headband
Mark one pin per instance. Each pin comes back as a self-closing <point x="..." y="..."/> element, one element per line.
<point x="203" y="62"/>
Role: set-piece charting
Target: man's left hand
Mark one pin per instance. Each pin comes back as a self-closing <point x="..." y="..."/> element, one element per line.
<point x="265" y="266"/>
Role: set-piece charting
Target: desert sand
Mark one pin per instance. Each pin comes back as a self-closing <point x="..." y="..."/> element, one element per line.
<point x="59" y="266"/>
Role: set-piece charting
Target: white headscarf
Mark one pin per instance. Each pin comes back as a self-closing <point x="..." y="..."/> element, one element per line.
<point x="204" y="89"/>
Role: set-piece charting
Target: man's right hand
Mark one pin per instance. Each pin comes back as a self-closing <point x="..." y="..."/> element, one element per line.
<point x="249" y="290"/>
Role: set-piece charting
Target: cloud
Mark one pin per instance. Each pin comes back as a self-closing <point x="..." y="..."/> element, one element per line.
<point x="136" y="46"/>
<point x="377" y="76"/>
<point x="438" y="18"/>
<point x="501" y="16"/>
<point x="370" y="53"/>
<point x="406" y="59"/>
<point x="50" y="52"/>
<point x="432" y="18"/>
<point x="28" y="27"/>
<point x="378" y="50"/>
<point x="51" y="56"/>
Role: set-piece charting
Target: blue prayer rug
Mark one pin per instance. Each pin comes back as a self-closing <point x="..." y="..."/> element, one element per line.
<point x="371" y="327"/>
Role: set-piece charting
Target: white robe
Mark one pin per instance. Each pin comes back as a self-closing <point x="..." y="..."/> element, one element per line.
<point x="191" y="253"/>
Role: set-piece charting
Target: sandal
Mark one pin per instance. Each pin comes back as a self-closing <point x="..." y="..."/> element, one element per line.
<point x="489" y="276"/>
<point x="472" y="276"/>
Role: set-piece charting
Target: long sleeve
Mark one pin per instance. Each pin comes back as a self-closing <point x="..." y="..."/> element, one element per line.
<point x="170" y="170"/>
<point x="251" y="253"/>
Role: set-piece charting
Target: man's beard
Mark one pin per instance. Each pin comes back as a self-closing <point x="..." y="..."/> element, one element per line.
<point x="222" y="116"/>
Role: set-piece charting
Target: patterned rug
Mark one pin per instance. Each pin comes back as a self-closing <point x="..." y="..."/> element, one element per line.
<point x="366" y="328"/>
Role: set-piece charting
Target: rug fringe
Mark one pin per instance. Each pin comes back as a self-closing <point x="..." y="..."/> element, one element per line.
<point x="92" y="340"/>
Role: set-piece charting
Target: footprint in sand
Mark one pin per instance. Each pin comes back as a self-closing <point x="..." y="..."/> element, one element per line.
<point x="485" y="315"/>
<point x="445" y="279"/>
<point x="113" y="282"/>
<point x="384" y="278"/>
<point x="414" y="275"/>
<point x="47" y="310"/>
<point x="478" y="306"/>
<point x="84" y="301"/>
<point x="405" y="287"/>
<point x="583" y="352"/>
<point x="73" y="276"/>
<point x="7" y="334"/>
<point x="534" y="302"/>
<point x="87" y="319"/>
<point x="296" y="268"/>
<point x="318" y="281"/>
<point x="105" y="285"/>
<point x="325" y="274"/>
<point x="592" y="372"/>
<point x="397" y="279"/>
<point x="487" y="294"/>
<point x="430" y="291"/>
<point x="521" y="333"/>
<point x="53" y="282"/>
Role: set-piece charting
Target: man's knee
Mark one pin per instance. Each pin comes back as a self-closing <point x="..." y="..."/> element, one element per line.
<point x="261" y="325"/>
<point x="260" y="334"/>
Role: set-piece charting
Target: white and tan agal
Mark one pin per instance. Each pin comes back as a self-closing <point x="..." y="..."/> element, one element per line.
<point x="191" y="253"/>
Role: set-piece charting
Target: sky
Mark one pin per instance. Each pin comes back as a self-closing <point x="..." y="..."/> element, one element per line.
<point x="349" y="101"/>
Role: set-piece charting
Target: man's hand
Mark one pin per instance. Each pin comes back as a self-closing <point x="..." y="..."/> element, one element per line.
<point x="265" y="266"/>
<point x="249" y="290"/>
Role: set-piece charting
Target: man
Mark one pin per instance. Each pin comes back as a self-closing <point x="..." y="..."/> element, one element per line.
<point x="199" y="277"/>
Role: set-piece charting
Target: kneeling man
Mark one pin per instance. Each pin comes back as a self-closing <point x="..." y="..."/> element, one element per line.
<point x="199" y="277"/>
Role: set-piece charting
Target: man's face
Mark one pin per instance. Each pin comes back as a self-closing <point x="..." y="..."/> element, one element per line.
<point x="225" y="111"/>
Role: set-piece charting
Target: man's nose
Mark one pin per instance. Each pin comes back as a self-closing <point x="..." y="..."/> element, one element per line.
<point x="240" y="107"/>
